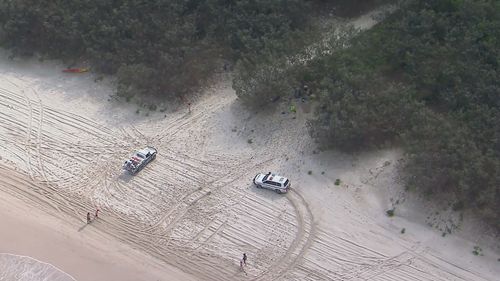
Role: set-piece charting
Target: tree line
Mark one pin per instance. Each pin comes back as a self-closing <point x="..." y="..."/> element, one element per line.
<point x="155" y="47"/>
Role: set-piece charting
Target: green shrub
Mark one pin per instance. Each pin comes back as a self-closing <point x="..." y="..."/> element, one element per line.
<point x="390" y="213"/>
<point x="477" y="251"/>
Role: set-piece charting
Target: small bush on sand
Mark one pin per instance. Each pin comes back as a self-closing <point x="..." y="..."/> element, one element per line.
<point x="310" y="172"/>
<point x="390" y="213"/>
<point x="403" y="231"/>
<point x="477" y="251"/>
<point x="337" y="182"/>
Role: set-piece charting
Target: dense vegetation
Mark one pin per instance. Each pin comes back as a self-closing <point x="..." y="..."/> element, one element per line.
<point x="426" y="78"/>
<point x="156" y="47"/>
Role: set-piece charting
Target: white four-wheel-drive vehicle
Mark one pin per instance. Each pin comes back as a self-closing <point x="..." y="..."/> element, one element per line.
<point x="272" y="181"/>
<point x="140" y="159"/>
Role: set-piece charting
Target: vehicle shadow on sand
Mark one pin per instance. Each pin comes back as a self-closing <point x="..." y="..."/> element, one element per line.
<point x="267" y="193"/>
<point x="125" y="177"/>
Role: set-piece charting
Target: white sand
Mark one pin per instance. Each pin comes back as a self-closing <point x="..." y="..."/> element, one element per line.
<point x="191" y="213"/>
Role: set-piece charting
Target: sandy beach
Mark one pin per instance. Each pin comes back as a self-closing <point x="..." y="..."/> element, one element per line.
<point x="85" y="252"/>
<point x="193" y="212"/>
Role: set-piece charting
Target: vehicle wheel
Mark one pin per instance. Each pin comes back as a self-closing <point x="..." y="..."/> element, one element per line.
<point x="258" y="186"/>
<point x="154" y="157"/>
<point x="277" y="191"/>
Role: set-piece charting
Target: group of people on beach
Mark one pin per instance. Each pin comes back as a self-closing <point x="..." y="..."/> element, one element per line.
<point x="89" y="219"/>
<point x="243" y="261"/>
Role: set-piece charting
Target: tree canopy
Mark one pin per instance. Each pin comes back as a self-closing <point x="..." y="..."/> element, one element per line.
<point x="426" y="78"/>
<point x="156" y="47"/>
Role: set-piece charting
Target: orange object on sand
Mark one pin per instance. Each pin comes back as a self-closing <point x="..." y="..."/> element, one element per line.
<point x="76" y="70"/>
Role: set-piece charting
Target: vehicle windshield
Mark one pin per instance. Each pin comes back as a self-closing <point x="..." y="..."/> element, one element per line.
<point x="286" y="183"/>
<point x="265" y="177"/>
<point x="140" y="155"/>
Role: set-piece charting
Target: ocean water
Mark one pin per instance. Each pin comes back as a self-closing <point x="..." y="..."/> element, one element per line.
<point x="22" y="268"/>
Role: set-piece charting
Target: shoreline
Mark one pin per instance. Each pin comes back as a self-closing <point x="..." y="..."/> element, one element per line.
<point x="87" y="255"/>
<point x="53" y="270"/>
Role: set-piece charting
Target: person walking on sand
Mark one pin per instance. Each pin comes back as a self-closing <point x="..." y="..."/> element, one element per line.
<point x="242" y="268"/>
<point x="97" y="213"/>
<point x="245" y="258"/>
<point x="88" y="217"/>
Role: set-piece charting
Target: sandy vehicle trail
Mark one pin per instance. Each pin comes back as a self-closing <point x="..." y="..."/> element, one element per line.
<point x="194" y="207"/>
<point x="63" y="141"/>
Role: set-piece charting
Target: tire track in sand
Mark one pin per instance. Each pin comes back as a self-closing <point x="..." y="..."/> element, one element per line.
<point x="300" y="244"/>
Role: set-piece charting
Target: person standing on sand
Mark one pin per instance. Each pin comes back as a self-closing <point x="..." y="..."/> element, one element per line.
<point x="245" y="258"/>
<point x="88" y="217"/>
<point x="242" y="268"/>
<point x="96" y="213"/>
